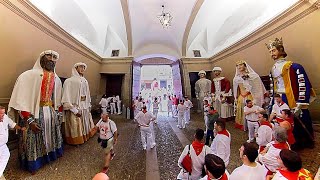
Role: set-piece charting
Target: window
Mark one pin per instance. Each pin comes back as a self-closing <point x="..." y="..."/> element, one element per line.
<point x="196" y="53"/>
<point x="115" y="53"/>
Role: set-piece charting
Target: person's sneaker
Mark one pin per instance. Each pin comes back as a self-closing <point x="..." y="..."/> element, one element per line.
<point x="178" y="126"/>
<point x="153" y="145"/>
<point x="249" y="141"/>
<point x="184" y="127"/>
<point x="144" y="148"/>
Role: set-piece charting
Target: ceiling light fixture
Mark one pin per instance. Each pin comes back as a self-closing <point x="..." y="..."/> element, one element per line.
<point x="165" y="18"/>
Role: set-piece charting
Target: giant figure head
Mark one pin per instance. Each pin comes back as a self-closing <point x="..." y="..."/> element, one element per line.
<point x="217" y="71"/>
<point x="48" y="60"/>
<point x="202" y="74"/>
<point x="276" y="49"/>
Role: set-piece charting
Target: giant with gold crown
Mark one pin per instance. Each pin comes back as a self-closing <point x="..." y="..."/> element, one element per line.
<point x="291" y="81"/>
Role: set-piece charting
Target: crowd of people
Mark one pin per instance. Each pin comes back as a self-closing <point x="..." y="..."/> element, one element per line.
<point x="39" y="104"/>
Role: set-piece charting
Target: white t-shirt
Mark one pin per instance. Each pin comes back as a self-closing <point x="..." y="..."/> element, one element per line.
<point x="155" y="104"/>
<point x="188" y="104"/>
<point x="181" y="108"/>
<point x="144" y="118"/>
<point x="221" y="146"/>
<point x="103" y="102"/>
<point x="249" y="173"/>
<point x="4" y="129"/>
<point x="252" y="116"/>
<point x="197" y="162"/>
<point x="105" y="131"/>
<point x="277" y="108"/>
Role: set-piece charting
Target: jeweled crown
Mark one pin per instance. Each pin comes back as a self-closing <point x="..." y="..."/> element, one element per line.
<point x="240" y="62"/>
<point x="274" y="43"/>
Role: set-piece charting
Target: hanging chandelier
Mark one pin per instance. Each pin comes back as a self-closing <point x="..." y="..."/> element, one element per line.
<point x="165" y="18"/>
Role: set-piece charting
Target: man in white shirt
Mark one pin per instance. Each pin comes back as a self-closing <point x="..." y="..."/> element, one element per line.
<point x="268" y="157"/>
<point x="215" y="168"/>
<point x="144" y="119"/>
<point x="5" y="124"/>
<point x="197" y="151"/>
<point x="103" y="103"/>
<point x="118" y="100"/>
<point x="250" y="170"/>
<point x="221" y="143"/>
<point x="188" y="104"/>
<point x="278" y="107"/>
<point x="264" y="133"/>
<point x="251" y="116"/>
<point x="113" y="105"/>
<point x="108" y="132"/>
<point x="181" y="109"/>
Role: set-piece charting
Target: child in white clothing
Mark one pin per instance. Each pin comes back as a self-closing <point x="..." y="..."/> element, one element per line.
<point x="107" y="138"/>
<point x="181" y="108"/>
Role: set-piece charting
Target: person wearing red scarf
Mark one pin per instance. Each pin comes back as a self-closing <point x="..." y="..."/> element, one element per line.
<point x="197" y="150"/>
<point x="291" y="167"/>
<point x="269" y="155"/>
<point x="250" y="169"/>
<point x="215" y="168"/>
<point x="288" y="124"/>
<point x="221" y="143"/>
<point x="264" y="133"/>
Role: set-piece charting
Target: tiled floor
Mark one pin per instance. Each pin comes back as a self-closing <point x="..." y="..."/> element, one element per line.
<point x="84" y="161"/>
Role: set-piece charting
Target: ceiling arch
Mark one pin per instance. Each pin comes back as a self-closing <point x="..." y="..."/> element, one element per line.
<point x="132" y="26"/>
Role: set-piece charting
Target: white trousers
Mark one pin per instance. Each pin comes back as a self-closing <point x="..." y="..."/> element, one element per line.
<point x="253" y="129"/>
<point x="119" y="107"/>
<point x="181" y="120"/>
<point x="205" y="117"/>
<point x="187" y="115"/>
<point x="155" y="113"/>
<point x="104" y="110"/>
<point x="4" y="158"/>
<point x="113" y="108"/>
<point x="146" y="133"/>
<point x="174" y="110"/>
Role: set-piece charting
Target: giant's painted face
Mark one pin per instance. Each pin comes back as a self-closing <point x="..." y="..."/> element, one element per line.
<point x="48" y="62"/>
<point x="202" y="75"/>
<point x="81" y="69"/>
<point x="242" y="67"/>
<point x="216" y="73"/>
<point x="274" y="52"/>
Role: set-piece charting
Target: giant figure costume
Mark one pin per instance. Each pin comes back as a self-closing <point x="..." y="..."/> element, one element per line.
<point x="202" y="89"/>
<point x="291" y="81"/>
<point x="76" y="102"/>
<point x="246" y="85"/>
<point x="222" y="93"/>
<point x="34" y="103"/>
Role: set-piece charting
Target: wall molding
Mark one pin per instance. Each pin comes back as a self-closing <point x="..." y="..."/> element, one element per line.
<point x="4" y="100"/>
<point x="196" y="61"/>
<point x="126" y="16"/>
<point x="188" y="27"/>
<point x="229" y="50"/>
<point x="120" y="60"/>
<point x="85" y="52"/>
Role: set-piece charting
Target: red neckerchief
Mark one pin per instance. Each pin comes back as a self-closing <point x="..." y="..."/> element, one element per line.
<point x="197" y="146"/>
<point x="224" y="132"/>
<point x="223" y="177"/>
<point x="281" y="104"/>
<point x="266" y="123"/>
<point x="279" y="120"/>
<point x="289" y="175"/>
<point x="144" y="111"/>
<point x="281" y="145"/>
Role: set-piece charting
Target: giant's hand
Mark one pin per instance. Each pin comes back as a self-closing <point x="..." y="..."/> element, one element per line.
<point x="297" y="110"/>
<point x="35" y="127"/>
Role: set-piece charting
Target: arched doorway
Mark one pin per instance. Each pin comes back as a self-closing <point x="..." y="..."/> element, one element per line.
<point x="156" y="75"/>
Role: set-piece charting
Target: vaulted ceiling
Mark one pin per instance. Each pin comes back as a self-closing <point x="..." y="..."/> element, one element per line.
<point x="132" y="27"/>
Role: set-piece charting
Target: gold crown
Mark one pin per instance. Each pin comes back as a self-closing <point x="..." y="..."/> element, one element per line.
<point x="274" y="43"/>
<point x="240" y="62"/>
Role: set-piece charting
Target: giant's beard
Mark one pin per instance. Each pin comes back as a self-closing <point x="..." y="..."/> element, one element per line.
<point x="47" y="64"/>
